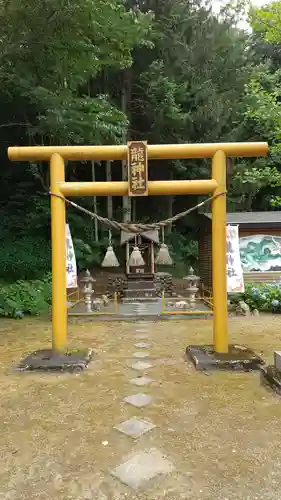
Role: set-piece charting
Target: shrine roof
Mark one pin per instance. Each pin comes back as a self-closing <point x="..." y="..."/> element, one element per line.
<point x="148" y="235"/>
<point x="269" y="218"/>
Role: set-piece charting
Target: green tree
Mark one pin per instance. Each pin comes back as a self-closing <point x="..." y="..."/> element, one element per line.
<point x="104" y="71"/>
<point x="189" y="87"/>
<point x="52" y="53"/>
<point x="256" y="183"/>
<point x="267" y="21"/>
<point x="192" y="87"/>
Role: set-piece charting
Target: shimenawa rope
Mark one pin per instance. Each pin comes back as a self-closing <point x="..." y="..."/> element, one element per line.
<point x="133" y="227"/>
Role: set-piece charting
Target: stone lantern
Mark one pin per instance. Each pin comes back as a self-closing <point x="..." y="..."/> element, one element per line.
<point x="88" y="290"/>
<point x="192" y="287"/>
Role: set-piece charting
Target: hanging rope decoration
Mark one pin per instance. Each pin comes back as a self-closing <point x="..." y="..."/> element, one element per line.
<point x="110" y="259"/>
<point x="135" y="259"/>
<point x="163" y="258"/>
<point x="137" y="227"/>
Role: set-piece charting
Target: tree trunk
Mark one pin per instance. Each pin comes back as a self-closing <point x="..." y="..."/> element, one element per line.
<point x="109" y="198"/>
<point x="134" y="209"/>
<point x="229" y="168"/>
<point x="170" y="201"/>
<point x="96" y="229"/>
<point x="124" y="106"/>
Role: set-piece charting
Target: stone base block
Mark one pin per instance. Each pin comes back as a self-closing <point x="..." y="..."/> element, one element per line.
<point x="277" y="360"/>
<point x="271" y="377"/>
<point x="238" y="358"/>
<point x="47" y="360"/>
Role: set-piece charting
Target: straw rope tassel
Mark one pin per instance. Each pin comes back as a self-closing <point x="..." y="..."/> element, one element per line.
<point x="163" y="258"/>
<point x="136" y="259"/>
<point x="110" y="259"/>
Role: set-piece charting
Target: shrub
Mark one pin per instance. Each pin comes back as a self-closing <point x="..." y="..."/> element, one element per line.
<point x="184" y="253"/>
<point x="262" y="296"/>
<point x="25" y="297"/>
<point x="24" y="259"/>
<point x="90" y="254"/>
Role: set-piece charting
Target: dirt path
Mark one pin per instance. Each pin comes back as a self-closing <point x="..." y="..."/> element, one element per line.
<point x="215" y="437"/>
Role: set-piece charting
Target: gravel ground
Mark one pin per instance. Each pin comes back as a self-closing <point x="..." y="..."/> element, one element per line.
<point x="220" y="432"/>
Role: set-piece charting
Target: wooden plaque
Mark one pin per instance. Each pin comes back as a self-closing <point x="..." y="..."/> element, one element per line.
<point x="137" y="168"/>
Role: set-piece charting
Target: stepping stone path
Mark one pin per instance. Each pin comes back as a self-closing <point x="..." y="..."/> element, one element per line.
<point x="141" y="365"/>
<point x="142" y="344"/>
<point x="136" y="471"/>
<point x="141" y="354"/>
<point x="135" y="427"/>
<point x="143" y="466"/>
<point x="138" y="400"/>
<point x="141" y="381"/>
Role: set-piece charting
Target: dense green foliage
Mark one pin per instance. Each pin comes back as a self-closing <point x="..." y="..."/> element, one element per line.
<point x="107" y="71"/>
<point x="25" y="258"/>
<point x="25" y="297"/>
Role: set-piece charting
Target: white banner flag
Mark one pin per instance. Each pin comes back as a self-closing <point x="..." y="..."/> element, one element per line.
<point x="71" y="268"/>
<point x="235" y="280"/>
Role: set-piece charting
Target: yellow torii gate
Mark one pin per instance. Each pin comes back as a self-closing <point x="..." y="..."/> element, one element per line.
<point x="57" y="155"/>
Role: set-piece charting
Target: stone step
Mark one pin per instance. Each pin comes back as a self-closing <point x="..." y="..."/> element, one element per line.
<point x="135" y="300"/>
<point x="142" y="276"/>
<point x="141" y="284"/>
<point x="140" y="293"/>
